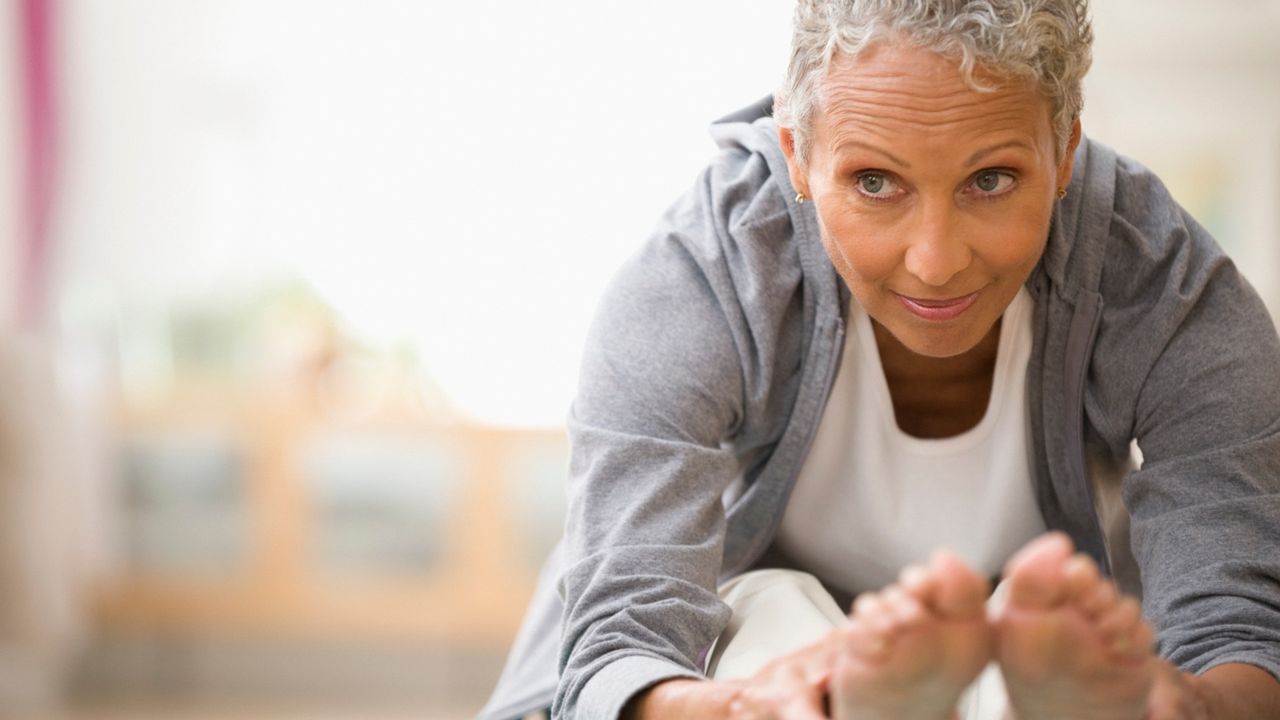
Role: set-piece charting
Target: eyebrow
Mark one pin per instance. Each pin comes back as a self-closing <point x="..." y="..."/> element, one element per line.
<point x="873" y="148"/>
<point x="973" y="159"/>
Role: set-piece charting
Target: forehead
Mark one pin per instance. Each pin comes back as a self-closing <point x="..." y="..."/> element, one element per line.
<point x="894" y="90"/>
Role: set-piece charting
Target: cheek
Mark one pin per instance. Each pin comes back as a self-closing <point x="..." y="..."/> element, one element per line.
<point x="1011" y="241"/>
<point x="861" y="249"/>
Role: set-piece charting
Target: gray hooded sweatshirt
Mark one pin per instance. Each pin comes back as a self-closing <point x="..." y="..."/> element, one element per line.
<point x="712" y="355"/>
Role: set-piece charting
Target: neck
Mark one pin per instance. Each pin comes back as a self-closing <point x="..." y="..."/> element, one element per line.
<point x="938" y="397"/>
<point x="901" y="364"/>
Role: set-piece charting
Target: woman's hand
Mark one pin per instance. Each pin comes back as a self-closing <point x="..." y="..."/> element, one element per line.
<point x="909" y="650"/>
<point x="1176" y="696"/>
<point x="790" y="687"/>
<point x="1226" y="692"/>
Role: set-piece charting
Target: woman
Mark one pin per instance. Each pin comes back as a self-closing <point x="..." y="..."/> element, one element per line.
<point x="919" y="310"/>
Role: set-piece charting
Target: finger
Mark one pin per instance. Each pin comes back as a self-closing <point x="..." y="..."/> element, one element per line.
<point x="820" y="680"/>
<point x="804" y="707"/>
<point x="1173" y="697"/>
<point x="742" y="708"/>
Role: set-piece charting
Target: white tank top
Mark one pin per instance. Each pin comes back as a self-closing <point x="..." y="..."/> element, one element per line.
<point x="871" y="499"/>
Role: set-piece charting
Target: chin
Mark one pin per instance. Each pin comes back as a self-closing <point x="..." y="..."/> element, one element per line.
<point x="939" y="350"/>
<point x="939" y="343"/>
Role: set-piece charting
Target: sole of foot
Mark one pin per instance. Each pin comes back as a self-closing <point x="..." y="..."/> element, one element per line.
<point x="1069" y="645"/>
<point x="910" y="650"/>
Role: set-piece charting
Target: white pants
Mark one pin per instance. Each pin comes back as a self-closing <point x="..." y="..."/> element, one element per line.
<point x="777" y="611"/>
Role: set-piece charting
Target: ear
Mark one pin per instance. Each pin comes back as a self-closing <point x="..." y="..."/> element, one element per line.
<point x="1068" y="161"/>
<point x="799" y="178"/>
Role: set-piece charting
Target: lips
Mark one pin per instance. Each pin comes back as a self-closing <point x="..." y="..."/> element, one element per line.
<point x="938" y="309"/>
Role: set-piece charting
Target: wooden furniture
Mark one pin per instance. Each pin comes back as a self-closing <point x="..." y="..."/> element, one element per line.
<point x="280" y="569"/>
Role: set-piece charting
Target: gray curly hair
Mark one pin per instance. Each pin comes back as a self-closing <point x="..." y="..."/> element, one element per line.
<point x="1048" y="42"/>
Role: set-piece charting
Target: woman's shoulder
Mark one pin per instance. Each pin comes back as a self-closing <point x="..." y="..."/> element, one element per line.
<point x="1123" y="234"/>
<point x="712" y="306"/>
<point x="742" y="195"/>
<point x="1170" y="296"/>
<point x="727" y="245"/>
<point x="1149" y="225"/>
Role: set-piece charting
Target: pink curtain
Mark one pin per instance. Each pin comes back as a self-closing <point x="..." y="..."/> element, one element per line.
<point x="38" y="131"/>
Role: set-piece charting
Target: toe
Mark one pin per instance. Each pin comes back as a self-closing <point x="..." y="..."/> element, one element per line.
<point x="916" y="581"/>
<point x="906" y="610"/>
<point x="1118" y="623"/>
<point x="866" y="641"/>
<point x="1134" y="644"/>
<point x="959" y="592"/>
<point x="872" y="611"/>
<point x="1037" y="572"/>
<point x="1101" y="599"/>
<point x="866" y="604"/>
<point x="1082" y="576"/>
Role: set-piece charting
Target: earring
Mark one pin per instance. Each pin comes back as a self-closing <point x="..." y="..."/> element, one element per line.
<point x="800" y="198"/>
<point x="1062" y="192"/>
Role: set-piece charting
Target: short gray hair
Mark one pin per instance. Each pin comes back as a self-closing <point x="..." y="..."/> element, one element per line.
<point x="1048" y="42"/>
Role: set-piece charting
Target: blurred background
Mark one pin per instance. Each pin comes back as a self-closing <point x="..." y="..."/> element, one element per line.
<point x="293" y="291"/>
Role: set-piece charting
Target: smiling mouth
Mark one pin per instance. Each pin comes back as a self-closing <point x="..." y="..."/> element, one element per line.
<point x="947" y="309"/>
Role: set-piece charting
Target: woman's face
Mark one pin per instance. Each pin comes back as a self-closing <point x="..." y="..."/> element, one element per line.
<point x="934" y="199"/>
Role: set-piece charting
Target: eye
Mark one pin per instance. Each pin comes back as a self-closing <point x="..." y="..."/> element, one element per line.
<point x="876" y="185"/>
<point x="993" y="182"/>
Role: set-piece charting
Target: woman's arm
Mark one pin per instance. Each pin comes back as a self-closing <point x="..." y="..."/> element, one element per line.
<point x="662" y="390"/>
<point x="683" y="699"/>
<point x="1201" y="371"/>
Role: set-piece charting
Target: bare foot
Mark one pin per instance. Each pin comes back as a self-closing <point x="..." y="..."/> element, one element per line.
<point x="911" y="649"/>
<point x="1069" y="646"/>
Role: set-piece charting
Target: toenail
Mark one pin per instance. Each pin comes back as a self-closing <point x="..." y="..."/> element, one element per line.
<point x="913" y="575"/>
<point x="866" y="603"/>
<point x="1081" y="563"/>
<point x="881" y="623"/>
<point x="1058" y="536"/>
<point x="941" y="554"/>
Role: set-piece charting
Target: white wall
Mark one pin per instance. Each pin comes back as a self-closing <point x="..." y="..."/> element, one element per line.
<point x="463" y="176"/>
<point x="1192" y="90"/>
<point x="466" y="176"/>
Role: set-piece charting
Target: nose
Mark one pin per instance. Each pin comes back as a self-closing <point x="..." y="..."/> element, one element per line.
<point x="937" y="250"/>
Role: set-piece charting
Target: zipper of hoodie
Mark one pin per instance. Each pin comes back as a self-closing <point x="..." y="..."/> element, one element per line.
<point x="1075" y="366"/>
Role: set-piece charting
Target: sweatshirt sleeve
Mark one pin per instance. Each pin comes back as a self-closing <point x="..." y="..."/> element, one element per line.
<point x="1205" y="506"/>
<point x="661" y="387"/>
